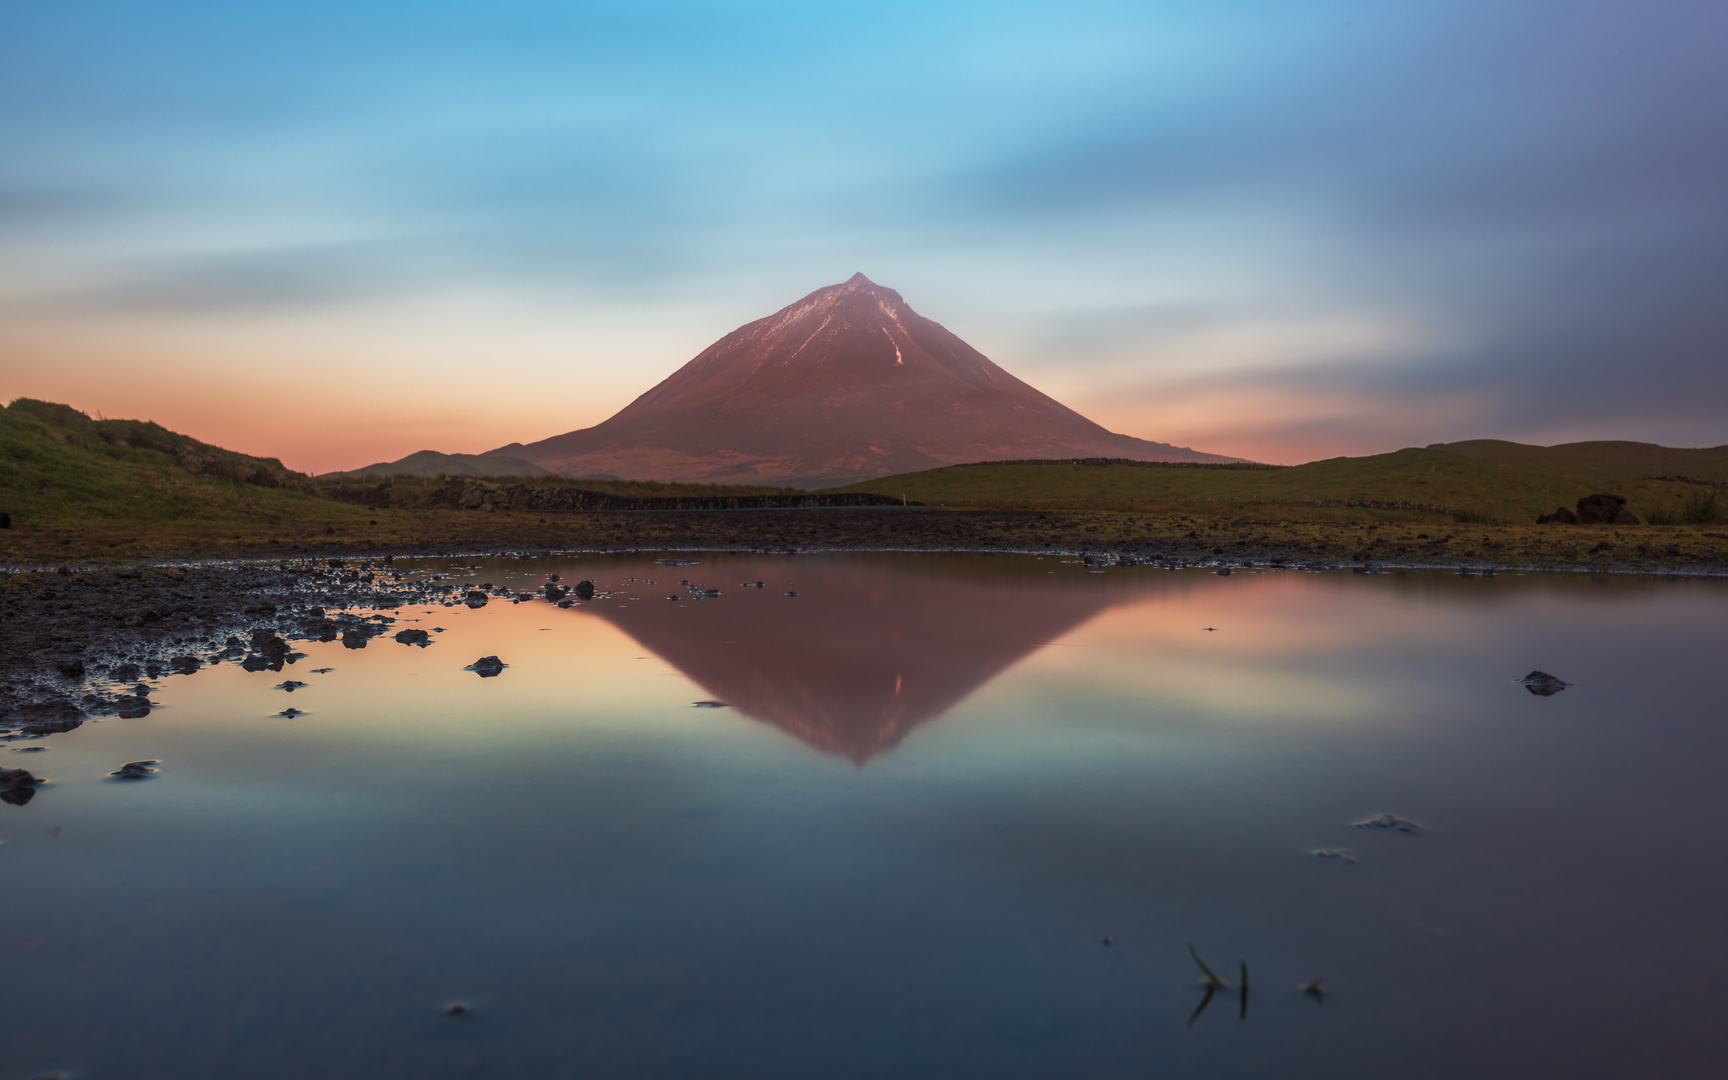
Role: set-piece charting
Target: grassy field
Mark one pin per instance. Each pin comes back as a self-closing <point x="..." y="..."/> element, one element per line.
<point x="92" y="491"/>
<point x="1410" y="485"/>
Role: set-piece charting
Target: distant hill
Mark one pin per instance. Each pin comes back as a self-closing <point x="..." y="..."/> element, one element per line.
<point x="847" y="383"/>
<point x="1439" y="480"/>
<point x="1631" y="460"/>
<point x="432" y="463"/>
<point x="56" y="462"/>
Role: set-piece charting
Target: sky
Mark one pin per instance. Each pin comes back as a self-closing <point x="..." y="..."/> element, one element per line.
<point x="340" y="232"/>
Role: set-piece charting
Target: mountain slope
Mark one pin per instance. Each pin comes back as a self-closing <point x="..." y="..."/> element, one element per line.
<point x="432" y="463"/>
<point x="847" y="383"/>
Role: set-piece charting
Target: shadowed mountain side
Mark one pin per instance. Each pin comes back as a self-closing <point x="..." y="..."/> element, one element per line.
<point x="433" y="463"/>
<point x="847" y="383"/>
<point x="864" y="654"/>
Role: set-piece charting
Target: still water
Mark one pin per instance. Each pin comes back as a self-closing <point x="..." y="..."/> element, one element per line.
<point x="921" y="795"/>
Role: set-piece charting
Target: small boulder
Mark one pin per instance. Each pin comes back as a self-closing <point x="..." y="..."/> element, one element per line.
<point x="1560" y="516"/>
<point x="1605" y="510"/>
<point x="16" y="778"/>
<point x="135" y="770"/>
<point x="414" y="637"/>
<point x="5" y="520"/>
<point x="584" y="590"/>
<point x="1543" y="684"/>
<point x="476" y="598"/>
<point x="487" y="667"/>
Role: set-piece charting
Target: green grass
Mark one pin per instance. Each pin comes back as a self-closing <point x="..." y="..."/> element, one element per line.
<point x="58" y="465"/>
<point x="1623" y="460"/>
<point x="1435" y="483"/>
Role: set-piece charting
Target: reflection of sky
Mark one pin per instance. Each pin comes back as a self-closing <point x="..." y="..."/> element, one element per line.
<point x="1280" y="230"/>
<point x="621" y="884"/>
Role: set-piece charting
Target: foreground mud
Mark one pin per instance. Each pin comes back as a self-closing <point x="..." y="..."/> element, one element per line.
<point x="80" y="640"/>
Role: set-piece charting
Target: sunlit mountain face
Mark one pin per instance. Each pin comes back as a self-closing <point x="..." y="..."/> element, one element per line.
<point x="866" y="652"/>
<point x="845" y="384"/>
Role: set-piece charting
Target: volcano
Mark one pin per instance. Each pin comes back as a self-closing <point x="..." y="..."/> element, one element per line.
<point x="846" y="384"/>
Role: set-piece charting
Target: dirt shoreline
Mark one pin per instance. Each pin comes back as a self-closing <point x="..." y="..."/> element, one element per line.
<point x="82" y="640"/>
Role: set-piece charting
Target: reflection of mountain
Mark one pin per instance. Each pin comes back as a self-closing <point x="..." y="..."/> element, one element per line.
<point x="865" y="653"/>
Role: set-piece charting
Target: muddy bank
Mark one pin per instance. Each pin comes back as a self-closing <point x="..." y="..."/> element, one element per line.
<point x="76" y="645"/>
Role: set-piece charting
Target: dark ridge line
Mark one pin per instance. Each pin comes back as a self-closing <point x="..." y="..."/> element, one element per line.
<point x="1226" y="465"/>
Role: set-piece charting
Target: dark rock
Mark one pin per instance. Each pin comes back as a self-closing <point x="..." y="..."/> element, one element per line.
<point x="125" y="673"/>
<point x="1560" y="516"/>
<point x="16" y="777"/>
<point x="17" y="796"/>
<point x="71" y="667"/>
<point x="487" y="667"/>
<point x="584" y="590"/>
<point x="553" y="577"/>
<point x="46" y="717"/>
<point x="136" y="711"/>
<point x="1605" y="510"/>
<point x="185" y="665"/>
<point x="1543" y="684"/>
<point x="135" y="770"/>
<point x="289" y="686"/>
<point x="476" y="598"/>
<point x="1389" y="821"/>
<point x="353" y="639"/>
<point x="5" y="520"/>
<point x="414" y="637"/>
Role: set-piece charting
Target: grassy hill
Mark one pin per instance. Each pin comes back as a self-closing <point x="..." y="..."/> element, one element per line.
<point x="1412" y="484"/>
<point x="1627" y="460"/>
<point x="57" y="464"/>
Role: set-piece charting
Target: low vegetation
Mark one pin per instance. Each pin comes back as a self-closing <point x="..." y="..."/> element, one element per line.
<point x="80" y="490"/>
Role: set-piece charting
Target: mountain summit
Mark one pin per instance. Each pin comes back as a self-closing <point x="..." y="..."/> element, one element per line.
<point x="846" y="384"/>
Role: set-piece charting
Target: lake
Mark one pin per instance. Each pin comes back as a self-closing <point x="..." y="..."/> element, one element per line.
<point x="933" y="815"/>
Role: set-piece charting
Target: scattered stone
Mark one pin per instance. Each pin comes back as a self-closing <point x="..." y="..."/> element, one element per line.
<point x="791" y="594"/>
<point x="1560" y="516"/>
<point x="414" y="637"/>
<point x="135" y="770"/>
<point x="185" y="665"/>
<point x="584" y="590"/>
<point x="16" y="778"/>
<point x="677" y="562"/>
<point x="290" y="686"/>
<point x="476" y="598"/>
<point x="1389" y="821"/>
<point x="487" y="667"/>
<point x="291" y="712"/>
<point x="1335" y="852"/>
<point x="456" y="1008"/>
<point x="710" y="704"/>
<point x="125" y="673"/>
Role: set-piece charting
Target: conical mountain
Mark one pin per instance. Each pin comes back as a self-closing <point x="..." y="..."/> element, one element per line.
<point x="847" y="383"/>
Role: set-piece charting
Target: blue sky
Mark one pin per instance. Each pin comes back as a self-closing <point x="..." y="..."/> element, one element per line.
<point x="1280" y="230"/>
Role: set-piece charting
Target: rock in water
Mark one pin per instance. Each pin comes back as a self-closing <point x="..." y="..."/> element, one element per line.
<point x="486" y="667"/>
<point x="1543" y="684"/>
<point x="414" y="637"/>
<point x="135" y="770"/>
<point x="16" y="778"/>
<point x="584" y="590"/>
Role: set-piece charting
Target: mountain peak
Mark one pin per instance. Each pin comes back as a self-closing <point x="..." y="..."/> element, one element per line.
<point x="848" y="382"/>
